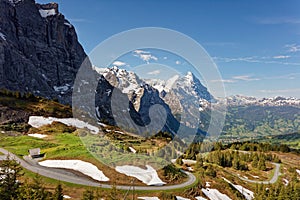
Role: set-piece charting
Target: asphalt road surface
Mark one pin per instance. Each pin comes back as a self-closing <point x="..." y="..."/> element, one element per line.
<point x="271" y="181"/>
<point x="67" y="176"/>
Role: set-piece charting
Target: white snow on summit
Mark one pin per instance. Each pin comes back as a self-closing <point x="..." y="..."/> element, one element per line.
<point x="239" y="100"/>
<point x="47" y="13"/>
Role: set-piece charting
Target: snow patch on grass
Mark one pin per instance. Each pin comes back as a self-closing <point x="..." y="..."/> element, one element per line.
<point x="200" y="198"/>
<point x="248" y="194"/>
<point x="181" y="198"/>
<point x="148" y="176"/>
<point x="37" y="135"/>
<point x="77" y="165"/>
<point x="149" y="198"/>
<point x="214" y="194"/>
<point x="38" y="121"/>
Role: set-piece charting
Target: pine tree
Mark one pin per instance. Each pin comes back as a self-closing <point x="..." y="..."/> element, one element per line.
<point x="10" y="171"/>
<point x="88" y="195"/>
<point x="58" y="194"/>
<point x="262" y="164"/>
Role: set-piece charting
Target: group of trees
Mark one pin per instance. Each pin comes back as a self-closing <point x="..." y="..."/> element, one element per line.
<point x="17" y="94"/>
<point x="12" y="188"/>
<point x="262" y="147"/>
<point x="239" y="160"/>
<point x="279" y="191"/>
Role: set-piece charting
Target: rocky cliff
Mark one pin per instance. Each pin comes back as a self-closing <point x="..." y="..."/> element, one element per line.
<point x="39" y="50"/>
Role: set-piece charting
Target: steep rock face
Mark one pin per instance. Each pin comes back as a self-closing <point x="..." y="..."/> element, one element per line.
<point x="39" y="50"/>
<point x="186" y="96"/>
<point x="139" y="95"/>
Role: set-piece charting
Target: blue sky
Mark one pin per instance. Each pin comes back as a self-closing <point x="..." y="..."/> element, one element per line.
<point x="255" y="44"/>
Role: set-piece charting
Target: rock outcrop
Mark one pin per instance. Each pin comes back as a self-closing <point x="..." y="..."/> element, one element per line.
<point x="39" y="50"/>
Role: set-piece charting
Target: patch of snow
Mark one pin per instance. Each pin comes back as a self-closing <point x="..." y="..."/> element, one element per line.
<point x="200" y="198"/>
<point x="132" y="149"/>
<point x="255" y="176"/>
<point x="286" y="182"/>
<point x="148" y="176"/>
<point x="189" y="162"/>
<point x="67" y="197"/>
<point x="207" y="184"/>
<point x="61" y="89"/>
<point x="119" y="132"/>
<point x="37" y="135"/>
<point x="47" y="13"/>
<point x="14" y="2"/>
<point x="190" y="169"/>
<point x="248" y="194"/>
<point x="77" y="165"/>
<point x="3" y="36"/>
<point x="181" y="198"/>
<point x="149" y="198"/>
<point x="68" y="24"/>
<point x="38" y="121"/>
<point x="298" y="171"/>
<point x="101" y="124"/>
<point x="214" y="194"/>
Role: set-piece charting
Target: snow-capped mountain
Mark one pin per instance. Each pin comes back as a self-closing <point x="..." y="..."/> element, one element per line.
<point x="239" y="100"/>
<point x="185" y="97"/>
<point x="140" y="94"/>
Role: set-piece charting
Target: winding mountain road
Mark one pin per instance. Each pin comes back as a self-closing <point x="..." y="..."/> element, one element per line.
<point x="271" y="181"/>
<point x="63" y="175"/>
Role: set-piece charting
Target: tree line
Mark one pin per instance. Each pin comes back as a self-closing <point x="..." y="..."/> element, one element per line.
<point x="12" y="188"/>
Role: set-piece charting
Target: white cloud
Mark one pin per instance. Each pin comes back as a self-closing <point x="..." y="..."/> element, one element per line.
<point x="155" y="72"/>
<point x="177" y="62"/>
<point x="279" y="20"/>
<point x="292" y="47"/>
<point x="281" y="57"/>
<point x="281" y="91"/>
<point x="118" y="63"/>
<point x="224" y="81"/>
<point x="245" y="78"/>
<point x="144" y="55"/>
<point x="256" y="59"/>
<point x="235" y="79"/>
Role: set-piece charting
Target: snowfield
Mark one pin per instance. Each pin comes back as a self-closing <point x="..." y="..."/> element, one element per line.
<point x="149" y="198"/>
<point x="214" y="194"/>
<point x="132" y="149"/>
<point x="37" y="135"/>
<point x="148" y="176"/>
<point x="298" y="171"/>
<point x="46" y="13"/>
<point x="181" y="198"/>
<point x="77" y="165"/>
<point x="200" y="198"/>
<point x="38" y="121"/>
<point x="248" y="194"/>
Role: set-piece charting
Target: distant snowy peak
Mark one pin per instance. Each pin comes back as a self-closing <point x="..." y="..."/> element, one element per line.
<point x="125" y="80"/>
<point x="193" y="86"/>
<point x="14" y="2"/>
<point x="239" y="100"/>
